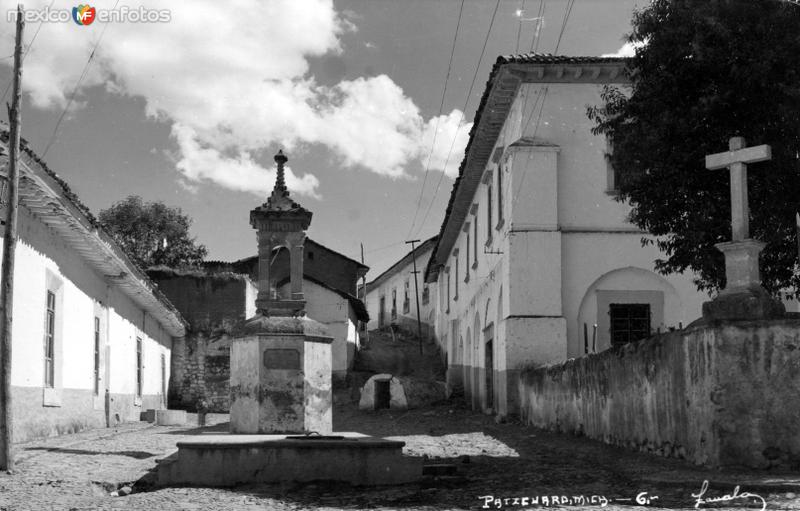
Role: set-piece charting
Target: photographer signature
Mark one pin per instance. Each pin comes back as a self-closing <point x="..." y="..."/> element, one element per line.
<point x="700" y="497"/>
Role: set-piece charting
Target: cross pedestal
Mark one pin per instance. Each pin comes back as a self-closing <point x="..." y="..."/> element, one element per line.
<point x="743" y="296"/>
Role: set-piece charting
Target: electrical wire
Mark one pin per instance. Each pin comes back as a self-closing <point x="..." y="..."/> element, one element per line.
<point x="77" y="85"/>
<point x="466" y="103"/>
<point x="438" y="119"/>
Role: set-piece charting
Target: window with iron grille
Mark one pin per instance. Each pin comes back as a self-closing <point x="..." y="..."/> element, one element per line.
<point x="406" y="299"/>
<point x="630" y="322"/>
<point x="139" y="366"/>
<point x="96" y="356"/>
<point x="49" y="340"/>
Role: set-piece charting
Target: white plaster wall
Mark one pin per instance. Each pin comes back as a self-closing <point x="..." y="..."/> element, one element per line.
<point x="562" y="232"/>
<point x="582" y="169"/>
<point x="250" y="294"/>
<point x="592" y="261"/>
<point x="397" y="281"/>
<point x="39" y="252"/>
<point x="335" y="312"/>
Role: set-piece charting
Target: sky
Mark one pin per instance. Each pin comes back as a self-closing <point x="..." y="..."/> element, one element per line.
<point x="190" y="110"/>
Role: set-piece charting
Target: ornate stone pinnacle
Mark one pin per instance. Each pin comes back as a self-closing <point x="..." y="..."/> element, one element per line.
<point x="280" y="159"/>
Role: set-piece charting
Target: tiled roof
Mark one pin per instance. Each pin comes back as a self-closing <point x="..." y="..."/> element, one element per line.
<point x="51" y="200"/>
<point x="547" y="58"/>
<point x="498" y="95"/>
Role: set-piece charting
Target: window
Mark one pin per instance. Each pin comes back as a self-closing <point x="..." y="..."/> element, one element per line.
<point x="394" y="304"/>
<point x="499" y="196"/>
<point x="475" y="242"/>
<point x="96" y="356"/>
<point x="447" y="270"/>
<point x="489" y="214"/>
<point x="426" y="295"/>
<point x="613" y="177"/>
<point x="466" y="260"/>
<point x="455" y="296"/>
<point x="406" y="300"/>
<point x="629" y="322"/>
<point x="139" y="366"/>
<point x="50" y="340"/>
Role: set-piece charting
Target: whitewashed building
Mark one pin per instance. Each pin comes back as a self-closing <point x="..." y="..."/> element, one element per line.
<point x="391" y="296"/>
<point x="91" y="334"/>
<point x="535" y="261"/>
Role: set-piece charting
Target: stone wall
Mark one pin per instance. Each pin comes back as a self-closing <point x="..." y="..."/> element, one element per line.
<point x="720" y="395"/>
<point x="214" y="304"/>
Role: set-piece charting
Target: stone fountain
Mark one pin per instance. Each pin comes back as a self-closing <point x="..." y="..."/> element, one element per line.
<point x="281" y="399"/>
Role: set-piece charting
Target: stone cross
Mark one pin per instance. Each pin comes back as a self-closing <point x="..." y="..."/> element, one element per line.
<point x="743" y="297"/>
<point x="736" y="159"/>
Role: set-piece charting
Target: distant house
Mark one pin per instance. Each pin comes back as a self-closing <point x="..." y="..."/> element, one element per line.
<point x="391" y="295"/>
<point x="216" y="298"/>
<point x="92" y="336"/>
<point x="535" y="261"/>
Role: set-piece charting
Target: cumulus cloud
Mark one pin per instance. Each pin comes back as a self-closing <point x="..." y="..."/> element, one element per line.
<point x="232" y="80"/>
<point x="448" y="144"/>
<point x="626" y="50"/>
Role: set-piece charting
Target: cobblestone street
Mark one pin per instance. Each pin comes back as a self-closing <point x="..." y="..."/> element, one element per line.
<point x="504" y="461"/>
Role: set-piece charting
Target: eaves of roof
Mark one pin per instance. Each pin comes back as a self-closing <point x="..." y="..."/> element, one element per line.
<point x="49" y="198"/>
<point x="505" y="78"/>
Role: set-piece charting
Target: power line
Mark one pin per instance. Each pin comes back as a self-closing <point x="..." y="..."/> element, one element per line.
<point x="24" y="55"/>
<point x="466" y="103"/>
<point x="384" y="247"/>
<point x="77" y="85"/>
<point x="568" y="11"/>
<point x="438" y="118"/>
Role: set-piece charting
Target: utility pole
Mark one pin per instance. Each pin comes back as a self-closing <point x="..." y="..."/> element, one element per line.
<point x="9" y="247"/>
<point x="416" y="291"/>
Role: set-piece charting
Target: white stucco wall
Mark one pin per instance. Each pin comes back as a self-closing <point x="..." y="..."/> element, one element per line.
<point x="397" y="281"/>
<point x="335" y="312"/>
<point x="43" y="261"/>
<point x="562" y="241"/>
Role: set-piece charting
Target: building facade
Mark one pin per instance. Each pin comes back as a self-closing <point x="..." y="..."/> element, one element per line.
<point x="92" y="336"/>
<point x="391" y="296"/>
<point x="535" y="261"/>
<point x="217" y="298"/>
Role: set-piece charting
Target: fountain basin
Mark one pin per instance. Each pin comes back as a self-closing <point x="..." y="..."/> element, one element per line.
<point x="229" y="460"/>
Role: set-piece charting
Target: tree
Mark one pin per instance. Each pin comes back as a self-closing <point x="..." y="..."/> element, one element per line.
<point x="152" y="233"/>
<point x="709" y="70"/>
